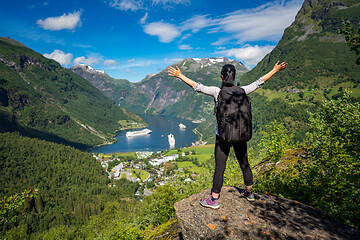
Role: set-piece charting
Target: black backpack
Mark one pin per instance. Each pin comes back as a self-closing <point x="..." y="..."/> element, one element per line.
<point x="233" y="115"/>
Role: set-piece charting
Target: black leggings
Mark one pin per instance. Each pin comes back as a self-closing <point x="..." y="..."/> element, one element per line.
<point x="222" y="150"/>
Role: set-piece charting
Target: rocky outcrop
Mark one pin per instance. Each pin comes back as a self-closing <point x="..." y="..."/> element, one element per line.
<point x="268" y="217"/>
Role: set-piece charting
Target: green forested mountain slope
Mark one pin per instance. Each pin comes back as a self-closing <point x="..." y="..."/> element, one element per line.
<point x="72" y="185"/>
<point x="113" y="88"/>
<point x="318" y="55"/>
<point x="321" y="66"/>
<point x="41" y="99"/>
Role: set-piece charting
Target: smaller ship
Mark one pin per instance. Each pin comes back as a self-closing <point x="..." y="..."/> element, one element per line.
<point x="182" y="126"/>
<point x="171" y="140"/>
<point x="138" y="133"/>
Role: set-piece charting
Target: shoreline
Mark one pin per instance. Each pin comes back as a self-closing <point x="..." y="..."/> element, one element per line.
<point x="198" y="135"/>
<point x="113" y="137"/>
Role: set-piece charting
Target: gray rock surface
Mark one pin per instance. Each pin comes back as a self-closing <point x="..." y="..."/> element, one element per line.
<point x="268" y="217"/>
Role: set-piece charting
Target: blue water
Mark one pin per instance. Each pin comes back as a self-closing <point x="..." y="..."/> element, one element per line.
<point x="157" y="140"/>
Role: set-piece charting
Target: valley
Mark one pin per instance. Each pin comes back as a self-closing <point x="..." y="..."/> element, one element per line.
<point x="305" y="144"/>
<point x="40" y="98"/>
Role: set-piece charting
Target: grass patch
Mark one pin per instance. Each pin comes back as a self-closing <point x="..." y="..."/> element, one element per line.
<point x="130" y="124"/>
<point x="192" y="167"/>
<point x="202" y="153"/>
<point x="143" y="174"/>
<point x="116" y="155"/>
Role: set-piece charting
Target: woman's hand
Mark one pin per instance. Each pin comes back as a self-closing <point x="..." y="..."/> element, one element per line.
<point x="177" y="73"/>
<point x="174" y="72"/>
<point x="278" y="67"/>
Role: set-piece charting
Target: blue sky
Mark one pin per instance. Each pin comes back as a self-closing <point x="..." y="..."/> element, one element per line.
<point x="132" y="38"/>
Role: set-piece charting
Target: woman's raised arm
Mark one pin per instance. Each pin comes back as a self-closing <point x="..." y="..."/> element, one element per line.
<point x="177" y="73"/>
<point x="277" y="68"/>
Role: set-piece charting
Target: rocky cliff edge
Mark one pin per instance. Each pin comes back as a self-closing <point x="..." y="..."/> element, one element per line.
<point x="268" y="217"/>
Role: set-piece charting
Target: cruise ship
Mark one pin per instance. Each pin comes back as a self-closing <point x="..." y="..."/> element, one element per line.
<point x="182" y="126"/>
<point x="171" y="140"/>
<point x="138" y="133"/>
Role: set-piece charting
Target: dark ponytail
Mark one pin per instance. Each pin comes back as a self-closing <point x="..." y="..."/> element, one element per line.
<point x="228" y="72"/>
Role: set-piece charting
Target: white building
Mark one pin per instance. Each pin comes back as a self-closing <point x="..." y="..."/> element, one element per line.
<point x="118" y="167"/>
<point x="117" y="170"/>
<point x="171" y="158"/>
<point x="141" y="155"/>
<point x="158" y="161"/>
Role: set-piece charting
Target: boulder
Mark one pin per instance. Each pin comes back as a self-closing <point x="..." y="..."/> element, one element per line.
<point x="268" y="217"/>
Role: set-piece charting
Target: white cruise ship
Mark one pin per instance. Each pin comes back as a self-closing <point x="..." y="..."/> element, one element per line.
<point x="171" y="140"/>
<point x="182" y="126"/>
<point x="138" y="133"/>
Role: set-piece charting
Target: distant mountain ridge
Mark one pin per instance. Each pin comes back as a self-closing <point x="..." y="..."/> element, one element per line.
<point x="159" y="93"/>
<point x="41" y="99"/>
<point x="102" y="81"/>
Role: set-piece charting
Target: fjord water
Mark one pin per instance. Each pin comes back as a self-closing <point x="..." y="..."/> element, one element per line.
<point x="161" y="127"/>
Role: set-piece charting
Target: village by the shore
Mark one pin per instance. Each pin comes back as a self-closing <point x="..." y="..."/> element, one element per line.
<point x="149" y="169"/>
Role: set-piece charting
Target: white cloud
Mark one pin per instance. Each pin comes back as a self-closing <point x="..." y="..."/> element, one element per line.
<point x="66" y="21"/>
<point x="185" y="47"/>
<point x="143" y="19"/>
<point x="250" y="55"/>
<point x="266" y="22"/>
<point x="221" y="41"/>
<point x="135" y="5"/>
<point x="109" y="62"/>
<point x="166" y="32"/>
<point x="81" y="45"/>
<point x="170" y="1"/>
<point x="196" y="23"/>
<point x="169" y="4"/>
<point x="63" y="58"/>
<point x="126" y="5"/>
<point x="131" y="60"/>
<point x="185" y="36"/>
<point x="87" y="61"/>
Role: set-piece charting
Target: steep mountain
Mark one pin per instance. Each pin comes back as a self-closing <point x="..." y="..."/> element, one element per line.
<point x="321" y="66"/>
<point x="161" y="94"/>
<point x="317" y="54"/>
<point x="113" y="88"/>
<point x="41" y="99"/>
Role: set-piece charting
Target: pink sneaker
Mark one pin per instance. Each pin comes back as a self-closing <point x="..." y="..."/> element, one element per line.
<point x="210" y="203"/>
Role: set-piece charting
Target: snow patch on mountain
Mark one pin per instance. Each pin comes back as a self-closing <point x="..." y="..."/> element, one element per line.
<point x="206" y="62"/>
<point x="89" y="69"/>
<point x="213" y="60"/>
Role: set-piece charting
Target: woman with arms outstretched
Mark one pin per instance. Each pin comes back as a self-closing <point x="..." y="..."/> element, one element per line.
<point x="222" y="149"/>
